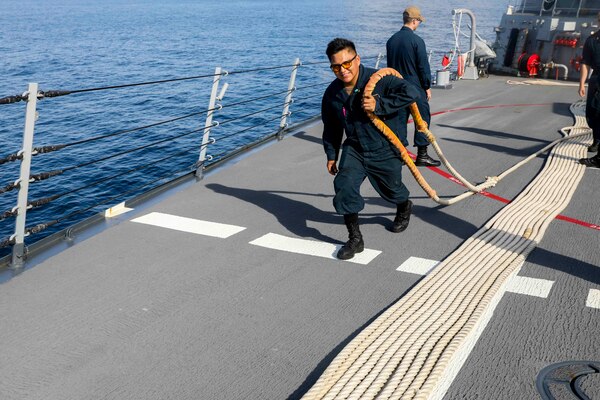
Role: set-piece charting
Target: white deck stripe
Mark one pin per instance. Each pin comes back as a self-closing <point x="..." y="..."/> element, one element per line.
<point x="518" y="284"/>
<point x="593" y="299"/>
<point x="189" y="225"/>
<point x="310" y="247"/>
<point x="417" y="265"/>
<point x="529" y="286"/>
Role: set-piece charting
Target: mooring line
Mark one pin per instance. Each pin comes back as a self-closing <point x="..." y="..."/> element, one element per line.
<point x="415" y="348"/>
<point x="422" y="126"/>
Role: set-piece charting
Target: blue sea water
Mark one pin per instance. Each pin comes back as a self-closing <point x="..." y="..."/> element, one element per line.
<point x="83" y="44"/>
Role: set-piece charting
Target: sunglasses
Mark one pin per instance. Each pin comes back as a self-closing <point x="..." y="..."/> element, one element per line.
<point x="346" y="64"/>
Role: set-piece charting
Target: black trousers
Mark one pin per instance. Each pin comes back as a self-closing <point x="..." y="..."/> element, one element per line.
<point x="383" y="167"/>
<point x="419" y="138"/>
<point x="592" y="116"/>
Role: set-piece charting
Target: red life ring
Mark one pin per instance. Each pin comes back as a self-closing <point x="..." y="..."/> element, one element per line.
<point x="461" y="65"/>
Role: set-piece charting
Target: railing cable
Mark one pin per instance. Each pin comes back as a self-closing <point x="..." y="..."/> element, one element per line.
<point x="313" y="85"/>
<point x="261" y="69"/>
<point x="43" y="226"/>
<point x="37" y="203"/>
<point x="11" y="158"/>
<point x="47" y="149"/>
<point x="138" y="148"/>
<point x="247" y="129"/>
<point x="57" y="93"/>
<point x="300" y="99"/>
<point x="46" y="175"/>
<point x="254" y="113"/>
<point x="256" y="98"/>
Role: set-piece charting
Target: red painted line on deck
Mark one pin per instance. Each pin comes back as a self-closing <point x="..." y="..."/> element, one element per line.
<point x="488" y="194"/>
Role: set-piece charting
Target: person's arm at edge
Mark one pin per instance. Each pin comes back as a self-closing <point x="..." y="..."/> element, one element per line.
<point x="332" y="135"/>
<point x="582" y="78"/>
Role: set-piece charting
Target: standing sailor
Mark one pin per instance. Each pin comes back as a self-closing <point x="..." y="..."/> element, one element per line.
<point x="591" y="60"/>
<point x="406" y="53"/>
<point x="366" y="153"/>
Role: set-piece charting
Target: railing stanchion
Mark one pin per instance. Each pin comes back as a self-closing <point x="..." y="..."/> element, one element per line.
<point x="207" y="125"/>
<point x="18" y="249"/>
<point x="288" y="99"/>
<point x="379" y="58"/>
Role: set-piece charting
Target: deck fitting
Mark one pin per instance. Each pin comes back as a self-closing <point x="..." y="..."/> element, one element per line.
<point x="557" y="380"/>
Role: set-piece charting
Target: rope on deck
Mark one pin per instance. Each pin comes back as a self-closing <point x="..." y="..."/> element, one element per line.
<point x="422" y="127"/>
<point x="416" y="347"/>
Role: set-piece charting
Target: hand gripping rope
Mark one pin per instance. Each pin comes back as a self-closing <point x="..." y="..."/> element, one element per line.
<point x="422" y="127"/>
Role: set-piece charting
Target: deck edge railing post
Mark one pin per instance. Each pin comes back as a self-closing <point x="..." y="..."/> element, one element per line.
<point x="379" y="58"/>
<point x="18" y="250"/>
<point x="288" y="99"/>
<point x="208" y="124"/>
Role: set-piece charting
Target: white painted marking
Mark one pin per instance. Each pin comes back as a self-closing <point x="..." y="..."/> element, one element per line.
<point x="115" y="210"/>
<point x="593" y="299"/>
<point x="311" y="247"/>
<point x="529" y="286"/>
<point x="417" y="265"/>
<point x="518" y="284"/>
<point x="189" y="225"/>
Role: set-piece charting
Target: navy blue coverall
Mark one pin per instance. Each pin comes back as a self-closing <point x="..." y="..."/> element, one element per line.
<point x="407" y="54"/>
<point x="591" y="57"/>
<point x="365" y="152"/>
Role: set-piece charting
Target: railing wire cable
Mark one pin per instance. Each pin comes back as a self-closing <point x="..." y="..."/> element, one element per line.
<point x="247" y="129"/>
<point x="47" y="149"/>
<point x="139" y="148"/>
<point x="261" y="69"/>
<point x="40" y="227"/>
<point x="255" y="99"/>
<point x="254" y="113"/>
<point x="46" y="175"/>
<point x="37" y="203"/>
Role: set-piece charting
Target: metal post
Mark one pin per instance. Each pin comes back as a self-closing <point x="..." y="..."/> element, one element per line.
<point x="470" y="69"/>
<point x="379" y="58"/>
<point x="208" y="123"/>
<point x="18" y="249"/>
<point x="288" y="99"/>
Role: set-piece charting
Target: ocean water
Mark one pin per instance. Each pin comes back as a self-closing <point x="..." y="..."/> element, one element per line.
<point x="87" y="44"/>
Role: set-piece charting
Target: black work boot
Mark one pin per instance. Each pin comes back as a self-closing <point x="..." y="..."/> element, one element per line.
<point x="423" y="159"/>
<point x="594" y="147"/>
<point x="355" y="242"/>
<point x="403" y="211"/>
<point x="592" y="162"/>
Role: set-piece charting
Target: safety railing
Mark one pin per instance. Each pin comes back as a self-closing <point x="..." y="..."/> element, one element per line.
<point x="86" y="150"/>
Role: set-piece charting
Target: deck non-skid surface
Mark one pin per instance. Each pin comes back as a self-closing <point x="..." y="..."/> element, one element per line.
<point x="228" y="289"/>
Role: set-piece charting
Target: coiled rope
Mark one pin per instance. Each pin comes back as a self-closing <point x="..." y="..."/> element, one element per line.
<point x="422" y="127"/>
<point x="417" y="346"/>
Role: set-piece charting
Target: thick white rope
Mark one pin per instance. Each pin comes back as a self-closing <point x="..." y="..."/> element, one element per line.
<point x="492" y="181"/>
<point x="416" y="347"/>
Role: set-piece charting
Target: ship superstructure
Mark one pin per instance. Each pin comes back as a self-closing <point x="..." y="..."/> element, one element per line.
<point x="544" y="38"/>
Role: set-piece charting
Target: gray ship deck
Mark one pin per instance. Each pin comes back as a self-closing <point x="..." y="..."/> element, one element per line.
<point x="139" y="311"/>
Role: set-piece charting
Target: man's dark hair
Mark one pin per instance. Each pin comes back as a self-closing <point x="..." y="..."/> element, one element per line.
<point x="339" y="44"/>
